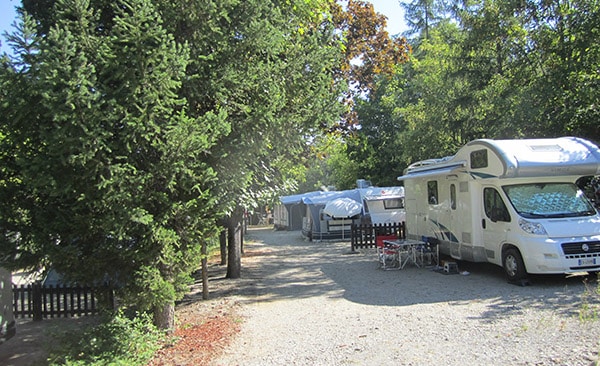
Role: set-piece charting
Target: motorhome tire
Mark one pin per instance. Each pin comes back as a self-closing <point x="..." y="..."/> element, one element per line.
<point x="513" y="265"/>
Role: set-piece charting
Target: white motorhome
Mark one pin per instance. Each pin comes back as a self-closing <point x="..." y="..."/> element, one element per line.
<point x="513" y="203"/>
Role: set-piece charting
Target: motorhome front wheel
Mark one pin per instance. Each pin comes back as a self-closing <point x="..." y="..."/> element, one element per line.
<point x="513" y="265"/>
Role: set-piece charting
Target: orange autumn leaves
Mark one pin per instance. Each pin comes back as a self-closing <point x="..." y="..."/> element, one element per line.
<point x="369" y="49"/>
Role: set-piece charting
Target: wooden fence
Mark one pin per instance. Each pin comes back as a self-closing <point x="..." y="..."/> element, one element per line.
<point x="39" y="302"/>
<point x="363" y="235"/>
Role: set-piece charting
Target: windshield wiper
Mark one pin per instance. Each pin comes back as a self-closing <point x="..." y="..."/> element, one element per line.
<point x="533" y="214"/>
<point x="557" y="215"/>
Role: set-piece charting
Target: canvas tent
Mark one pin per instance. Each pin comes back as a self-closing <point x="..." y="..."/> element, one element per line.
<point x="289" y="214"/>
<point x="317" y="225"/>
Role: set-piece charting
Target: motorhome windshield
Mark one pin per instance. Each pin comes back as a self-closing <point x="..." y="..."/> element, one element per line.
<point x="548" y="200"/>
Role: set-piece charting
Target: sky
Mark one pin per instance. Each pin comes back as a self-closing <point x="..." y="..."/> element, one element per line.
<point x="390" y="8"/>
<point x="7" y="18"/>
<point x="395" y="14"/>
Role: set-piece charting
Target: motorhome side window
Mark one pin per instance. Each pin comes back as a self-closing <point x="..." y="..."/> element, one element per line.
<point x="432" y="192"/>
<point x="393" y="203"/>
<point x="494" y="206"/>
<point x="479" y="159"/>
<point x="453" y="196"/>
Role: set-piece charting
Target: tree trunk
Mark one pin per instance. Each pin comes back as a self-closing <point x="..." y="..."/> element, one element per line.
<point x="164" y="317"/>
<point x="234" y="245"/>
<point x="242" y="233"/>
<point x="223" y="243"/>
<point x="204" y="271"/>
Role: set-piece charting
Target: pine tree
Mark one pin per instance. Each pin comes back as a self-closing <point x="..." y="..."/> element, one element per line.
<point x="109" y="166"/>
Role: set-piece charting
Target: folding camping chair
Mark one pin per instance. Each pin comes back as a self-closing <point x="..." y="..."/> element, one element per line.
<point x="387" y="255"/>
<point x="427" y="254"/>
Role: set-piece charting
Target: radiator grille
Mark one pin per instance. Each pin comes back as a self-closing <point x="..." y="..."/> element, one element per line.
<point x="577" y="249"/>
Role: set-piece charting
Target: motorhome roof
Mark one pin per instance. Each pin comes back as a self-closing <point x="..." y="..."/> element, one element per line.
<point x="377" y="193"/>
<point x="428" y="162"/>
<point x="523" y="158"/>
<point x="357" y="194"/>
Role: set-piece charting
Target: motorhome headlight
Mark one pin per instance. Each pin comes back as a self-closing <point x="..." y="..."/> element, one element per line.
<point x="532" y="227"/>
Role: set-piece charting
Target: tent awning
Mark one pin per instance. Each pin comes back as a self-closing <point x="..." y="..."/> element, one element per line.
<point x="342" y="208"/>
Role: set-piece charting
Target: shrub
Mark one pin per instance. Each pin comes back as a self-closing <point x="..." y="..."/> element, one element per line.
<point x="117" y="340"/>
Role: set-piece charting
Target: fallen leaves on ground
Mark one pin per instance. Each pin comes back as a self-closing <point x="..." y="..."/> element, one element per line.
<point x="200" y="338"/>
<point x="204" y="330"/>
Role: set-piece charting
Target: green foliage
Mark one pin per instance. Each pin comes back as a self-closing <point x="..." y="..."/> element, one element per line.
<point x="117" y="340"/>
<point x="107" y="169"/>
<point x="423" y="15"/>
<point x="329" y="167"/>
<point x="344" y="171"/>
<point x="131" y="127"/>
<point x="483" y="69"/>
<point x="377" y="140"/>
<point x="567" y="52"/>
<point x="269" y="65"/>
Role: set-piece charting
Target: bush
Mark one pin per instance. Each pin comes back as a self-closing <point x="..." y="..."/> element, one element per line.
<point x="117" y="340"/>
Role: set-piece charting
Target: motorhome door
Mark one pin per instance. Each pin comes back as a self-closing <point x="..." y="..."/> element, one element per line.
<point x="495" y="223"/>
<point x="452" y="220"/>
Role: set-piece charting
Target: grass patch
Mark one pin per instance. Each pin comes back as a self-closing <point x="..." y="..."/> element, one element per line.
<point x="116" y="340"/>
<point x="590" y="301"/>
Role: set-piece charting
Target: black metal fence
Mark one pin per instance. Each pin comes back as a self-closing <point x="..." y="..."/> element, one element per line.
<point x="39" y="302"/>
<point x="363" y="235"/>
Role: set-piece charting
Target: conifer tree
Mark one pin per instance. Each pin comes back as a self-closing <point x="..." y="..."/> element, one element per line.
<point x="107" y="179"/>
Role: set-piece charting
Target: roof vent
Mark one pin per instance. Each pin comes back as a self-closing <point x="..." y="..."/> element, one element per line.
<point x="363" y="183"/>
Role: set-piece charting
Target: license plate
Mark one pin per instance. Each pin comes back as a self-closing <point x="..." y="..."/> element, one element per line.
<point x="587" y="262"/>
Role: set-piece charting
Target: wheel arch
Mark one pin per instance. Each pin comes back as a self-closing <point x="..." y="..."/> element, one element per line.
<point x="507" y="246"/>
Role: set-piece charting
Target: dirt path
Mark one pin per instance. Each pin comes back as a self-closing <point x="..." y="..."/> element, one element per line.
<point x="309" y="303"/>
<point x="28" y="346"/>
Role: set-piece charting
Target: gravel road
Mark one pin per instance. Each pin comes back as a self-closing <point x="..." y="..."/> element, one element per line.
<point x="311" y="303"/>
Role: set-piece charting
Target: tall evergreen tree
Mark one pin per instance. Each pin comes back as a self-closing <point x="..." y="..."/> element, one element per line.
<point x="422" y="16"/>
<point x="269" y="66"/>
<point x="106" y="169"/>
<point x="564" y="52"/>
<point x="258" y="83"/>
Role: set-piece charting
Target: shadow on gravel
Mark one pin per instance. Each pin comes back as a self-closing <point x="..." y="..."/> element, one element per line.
<point x="282" y="265"/>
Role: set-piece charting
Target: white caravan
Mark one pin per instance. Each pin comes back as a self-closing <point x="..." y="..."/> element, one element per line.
<point x="513" y="203"/>
<point x="383" y="205"/>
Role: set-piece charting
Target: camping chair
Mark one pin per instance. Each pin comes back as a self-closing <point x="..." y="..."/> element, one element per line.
<point x="428" y="253"/>
<point x="387" y="255"/>
<point x="263" y="220"/>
